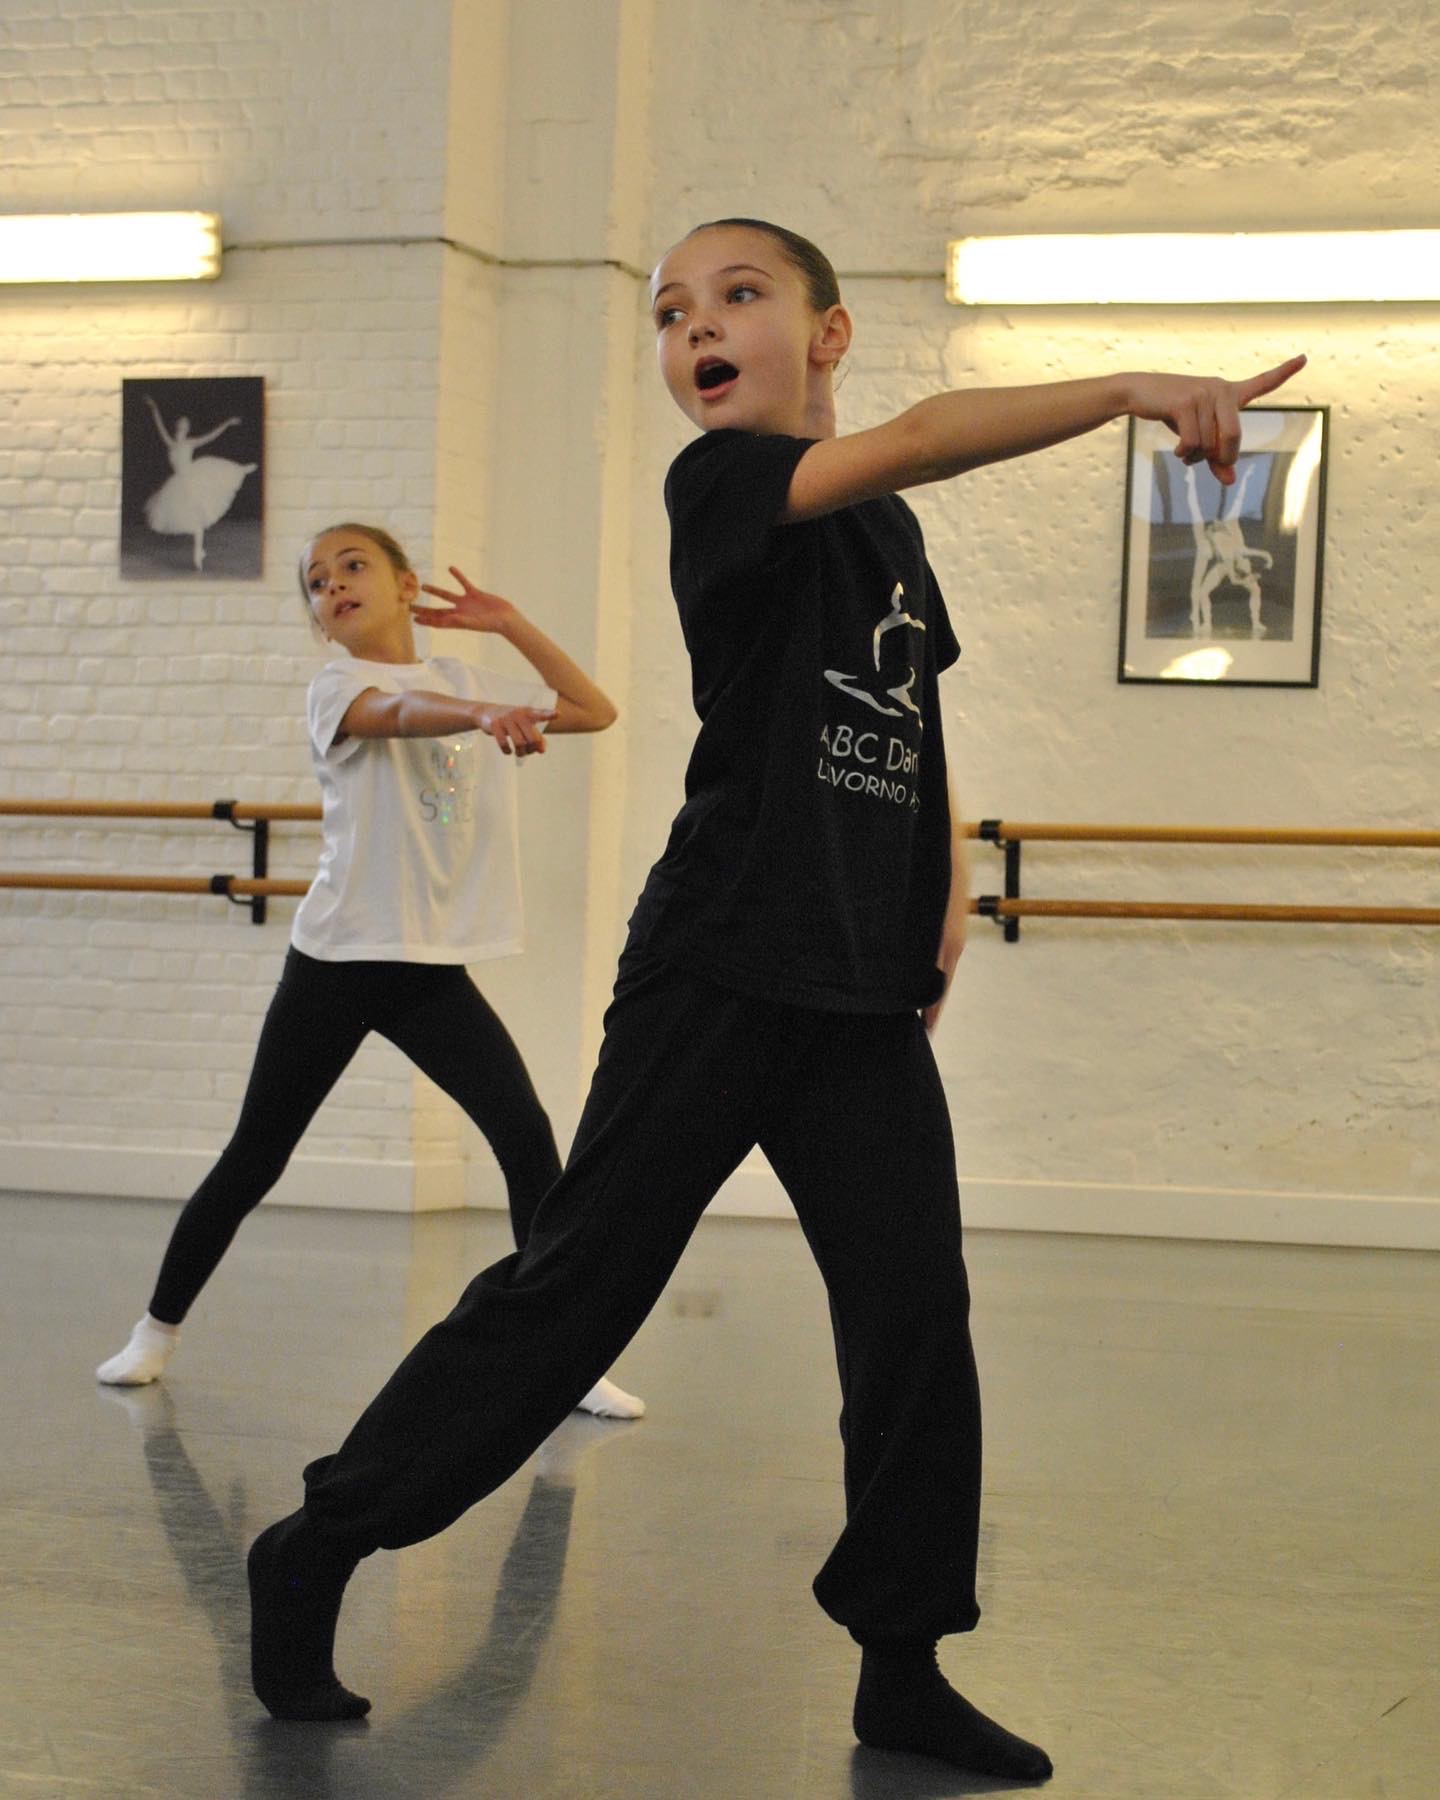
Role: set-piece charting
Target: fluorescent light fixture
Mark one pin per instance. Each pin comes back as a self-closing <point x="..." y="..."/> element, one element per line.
<point x="110" y="247"/>
<point x="1194" y="268"/>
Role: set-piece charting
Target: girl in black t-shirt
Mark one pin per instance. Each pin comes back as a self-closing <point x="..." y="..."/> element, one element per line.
<point x="789" y="952"/>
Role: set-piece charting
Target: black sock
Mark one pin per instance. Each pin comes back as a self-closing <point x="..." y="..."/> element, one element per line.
<point x="903" y="1702"/>
<point x="297" y="1581"/>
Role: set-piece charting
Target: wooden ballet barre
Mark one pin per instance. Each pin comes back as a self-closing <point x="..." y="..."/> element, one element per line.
<point x="160" y="809"/>
<point x="233" y="885"/>
<point x="993" y="907"/>
<point x="1006" y="831"/>
<point x="252" y="817"/>
<point x="1009" y="836"/>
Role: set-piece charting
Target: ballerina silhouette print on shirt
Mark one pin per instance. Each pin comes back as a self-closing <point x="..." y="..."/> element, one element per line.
<point x="899" y="695"/>
<point x="200" y="490"/>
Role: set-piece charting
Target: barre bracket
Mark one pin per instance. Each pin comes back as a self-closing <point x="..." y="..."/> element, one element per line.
<point x="259" y="830"/>
<point x="992" y="831"/>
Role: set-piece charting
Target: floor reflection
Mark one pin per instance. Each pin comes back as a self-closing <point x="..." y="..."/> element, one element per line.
<point x="459" y="1722"/>
<point x="882" y="1775"/>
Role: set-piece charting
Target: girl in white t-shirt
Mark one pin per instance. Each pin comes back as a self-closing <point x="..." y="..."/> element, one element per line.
<point x="418" y="876"/>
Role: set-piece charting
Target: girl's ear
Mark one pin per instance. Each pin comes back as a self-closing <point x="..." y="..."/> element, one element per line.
<point x="409" y="587"/>
<point x="833" y="330"/>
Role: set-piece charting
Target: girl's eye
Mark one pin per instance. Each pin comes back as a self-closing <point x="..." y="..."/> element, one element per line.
<point x="745" y="288"/>
<point x="667" y="315"/>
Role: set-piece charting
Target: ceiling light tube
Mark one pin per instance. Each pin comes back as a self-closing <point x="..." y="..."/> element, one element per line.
<point x="1194" y="268"/>
<point x="42" y="247"/>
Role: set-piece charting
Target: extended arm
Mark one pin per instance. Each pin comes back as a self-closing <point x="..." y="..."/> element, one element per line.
<point x="159" y="422"/>
<point x="420" y="713"/>
<point x="580" y="704"/>
<point x="947" y="434"/>
<point x="210" y="436"/>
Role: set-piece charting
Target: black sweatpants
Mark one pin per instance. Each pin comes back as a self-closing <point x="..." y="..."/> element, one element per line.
<point x="321" y="1013"/>
<point x="851" y="1114"/>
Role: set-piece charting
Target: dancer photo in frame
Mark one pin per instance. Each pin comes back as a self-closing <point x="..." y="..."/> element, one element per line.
<point x="189" y="511"/>
<point x="1223" y="583"/>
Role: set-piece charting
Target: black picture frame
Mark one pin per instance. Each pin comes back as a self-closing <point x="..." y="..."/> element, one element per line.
<point x="189" y="513"/>
<point x="1221" y="586"/>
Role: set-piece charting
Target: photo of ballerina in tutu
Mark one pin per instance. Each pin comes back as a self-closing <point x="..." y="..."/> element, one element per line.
<point x="184" y="512"/>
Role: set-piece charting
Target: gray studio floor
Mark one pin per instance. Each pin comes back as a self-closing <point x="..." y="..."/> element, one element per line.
<point x="1211" y="1563"/>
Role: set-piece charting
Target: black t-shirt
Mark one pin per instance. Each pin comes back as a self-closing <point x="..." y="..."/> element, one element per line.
<point x="811" y="860"/>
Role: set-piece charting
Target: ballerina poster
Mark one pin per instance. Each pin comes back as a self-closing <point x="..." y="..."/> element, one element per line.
<point x="192" y="478"/>
<point x="1222" y="584"/>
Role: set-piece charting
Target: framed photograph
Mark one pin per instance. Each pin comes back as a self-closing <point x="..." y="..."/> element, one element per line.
<point x="192" y="469"/>
<point x="1222" y="584"/>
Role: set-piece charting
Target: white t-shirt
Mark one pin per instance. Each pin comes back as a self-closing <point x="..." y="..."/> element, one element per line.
<point x="420" y="860"/>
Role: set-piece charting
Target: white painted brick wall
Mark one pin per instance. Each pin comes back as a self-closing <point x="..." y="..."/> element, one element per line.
<point x="131" y="1021"/>
<point x="890" y="126"/>
<point x="322" y="119"/>
<point x="382" y="371"/>
<point x="189" y="692"/>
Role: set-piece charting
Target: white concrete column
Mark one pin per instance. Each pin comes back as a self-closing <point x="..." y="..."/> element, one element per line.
<point x="557" y="535"/>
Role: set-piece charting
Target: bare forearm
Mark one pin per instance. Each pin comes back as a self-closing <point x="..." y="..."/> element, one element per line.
<point x="946" y="434"/>
<point x="580" y="704"/>
<point x="584" y="705"/>
<point x="416" y="713"/>
<point x="949" y="433"/>
<point x="971" y="427"/>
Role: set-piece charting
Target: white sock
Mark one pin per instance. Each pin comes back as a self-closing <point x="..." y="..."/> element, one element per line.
<point x="143" y="1359"/>
<point x="607" y="1401"/>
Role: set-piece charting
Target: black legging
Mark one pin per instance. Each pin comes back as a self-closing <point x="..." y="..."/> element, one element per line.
<point x="321" y="1013"/>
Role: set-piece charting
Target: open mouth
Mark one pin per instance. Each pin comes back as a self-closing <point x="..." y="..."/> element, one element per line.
<point x="714" y="373"/>
<point x="346" y="606"/>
